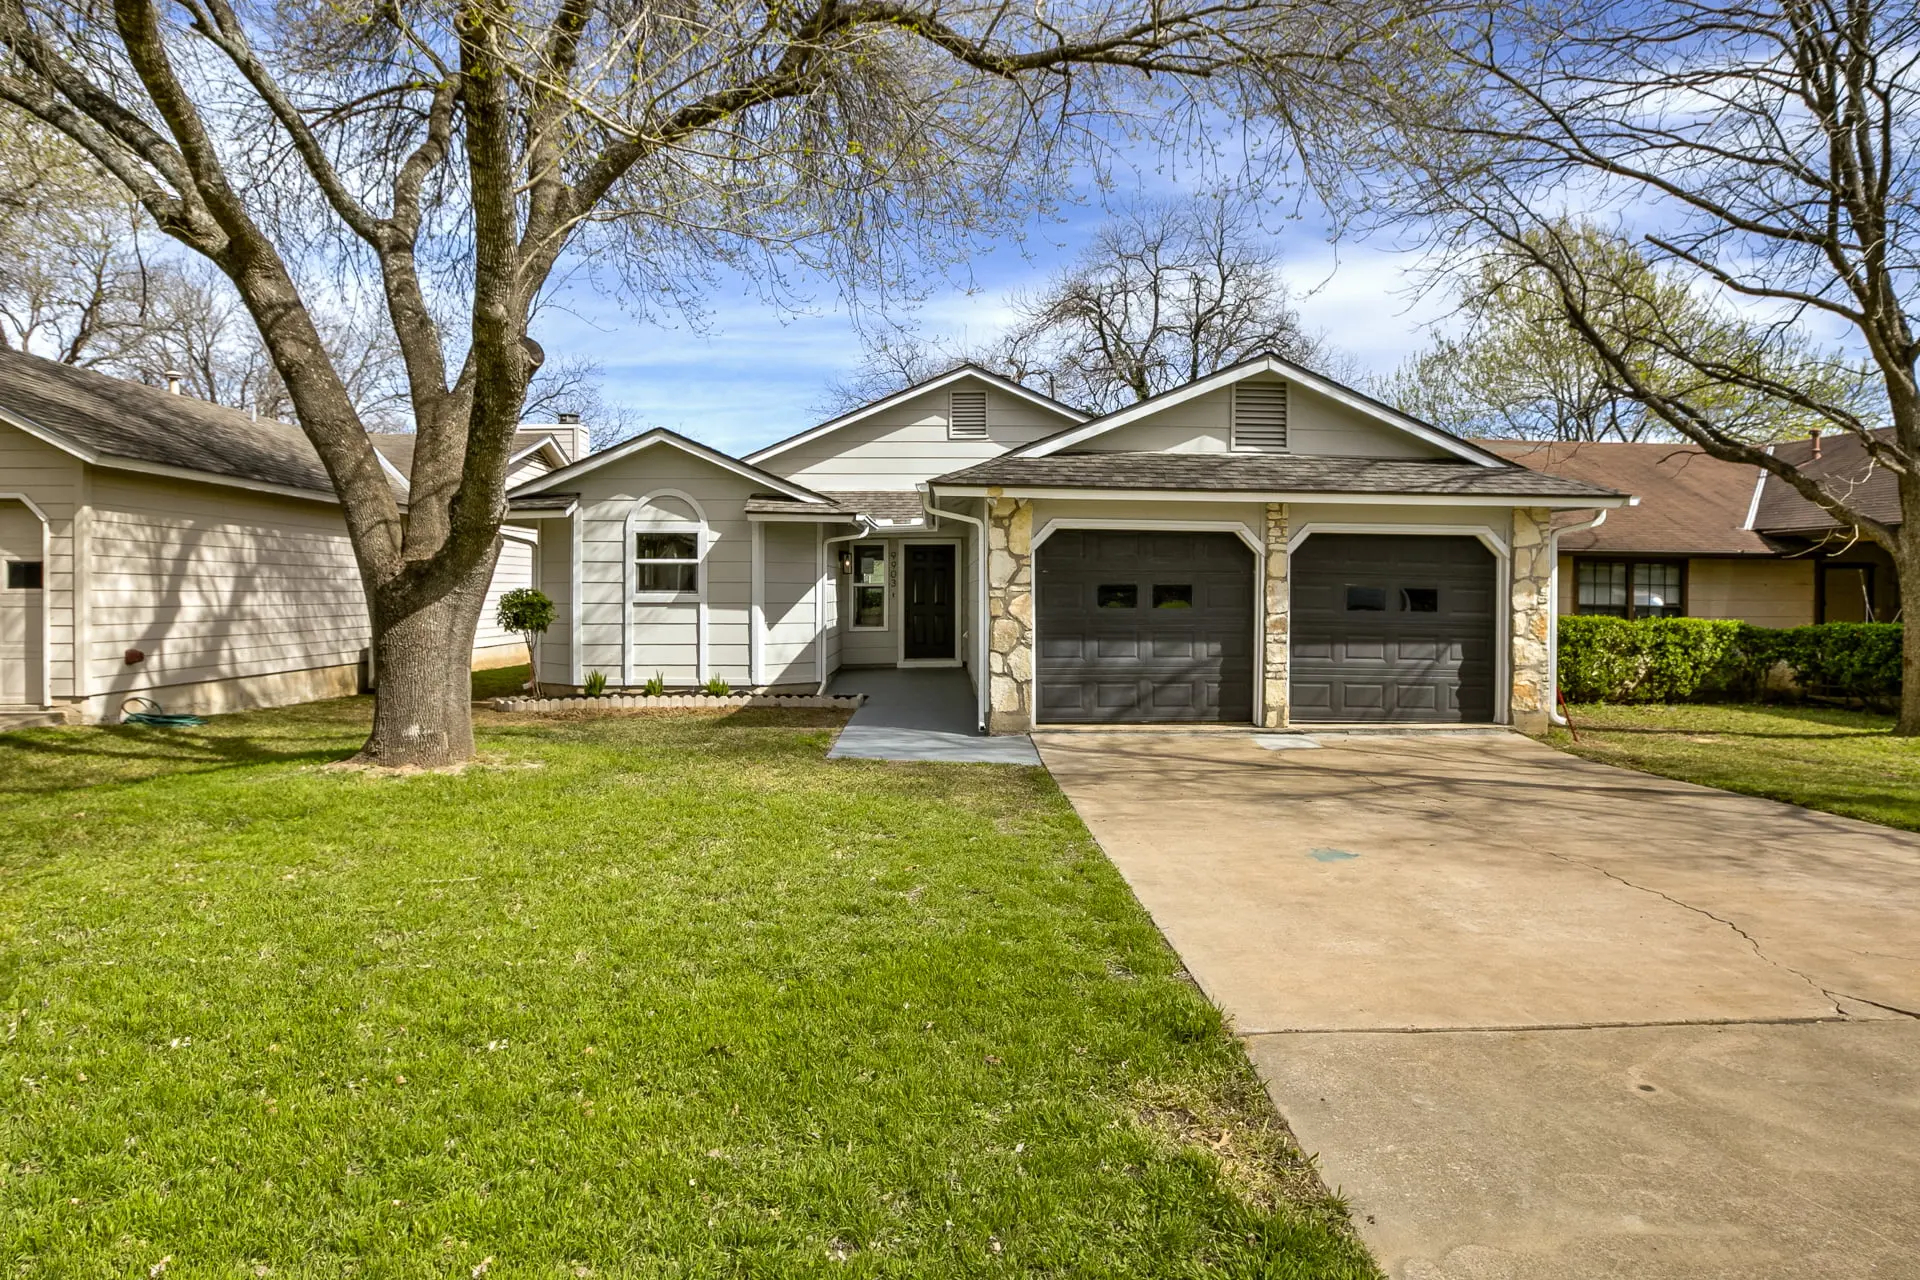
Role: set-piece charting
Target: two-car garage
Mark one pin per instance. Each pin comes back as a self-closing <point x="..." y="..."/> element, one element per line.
<point x="1160" y="626"/>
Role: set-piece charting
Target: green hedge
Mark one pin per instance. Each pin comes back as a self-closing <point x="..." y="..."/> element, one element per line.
<point x="1677" y="659"/>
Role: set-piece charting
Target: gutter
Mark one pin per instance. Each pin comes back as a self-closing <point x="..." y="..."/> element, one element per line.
<point x="1553" y="614"/>
<point x="982" y="629"/>
<point x="867" y="529"/>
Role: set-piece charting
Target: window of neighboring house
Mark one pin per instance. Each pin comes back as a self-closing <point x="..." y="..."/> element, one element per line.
<point x="1846" y="593"/>
<point x="666" y="563"/>
<point x="24" y="575"/>
<point x="870" y="587"/>
<point x="1631" y="588"/>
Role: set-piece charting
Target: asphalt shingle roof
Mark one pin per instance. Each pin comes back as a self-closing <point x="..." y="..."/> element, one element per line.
<point x="1844" y="470"/>
<point x="884" y="505"/>
<point x="1690" y="502"/>
<point x="1269" y="473"/>
<point x="114" y="418"/>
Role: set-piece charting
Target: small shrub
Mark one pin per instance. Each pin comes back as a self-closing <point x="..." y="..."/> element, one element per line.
<point x="527" y="613"/>
<point x="596" y="683"/>
<point x="717" y="687"/>
<point x="655" y="686"/>
<point x="1853" y="660"/>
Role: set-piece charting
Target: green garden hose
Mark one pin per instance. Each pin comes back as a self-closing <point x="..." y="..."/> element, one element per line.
<point x="157" y="717"/>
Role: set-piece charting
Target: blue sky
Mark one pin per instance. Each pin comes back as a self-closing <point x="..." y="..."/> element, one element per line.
<point x="755" y="373"/>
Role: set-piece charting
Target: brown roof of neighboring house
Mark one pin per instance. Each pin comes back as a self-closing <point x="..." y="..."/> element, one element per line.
<point x="1269" y="473"/>
<point x="1690" y="503"/>
<point x="1844" y="470"/>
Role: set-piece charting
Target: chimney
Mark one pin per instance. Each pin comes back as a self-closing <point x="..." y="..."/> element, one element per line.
<point x="173" y="377"/>
<point x="567" y="419"/>
<point x="1816" y="442"/>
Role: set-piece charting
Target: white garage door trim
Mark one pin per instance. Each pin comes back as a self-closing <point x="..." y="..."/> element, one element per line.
<point x="1503" y="601"/>
<point x="46" y="594"/>
<point x="1254" y="544"/>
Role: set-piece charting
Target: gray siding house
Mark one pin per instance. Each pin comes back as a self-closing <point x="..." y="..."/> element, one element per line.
<point x="160" y="546"/>
<point x="1263" y="546"/>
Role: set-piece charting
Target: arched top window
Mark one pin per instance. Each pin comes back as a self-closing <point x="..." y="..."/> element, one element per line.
<point x="667" y="548"/>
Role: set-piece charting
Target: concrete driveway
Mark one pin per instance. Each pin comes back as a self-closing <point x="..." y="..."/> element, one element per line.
<point x="1539" y="1017"/>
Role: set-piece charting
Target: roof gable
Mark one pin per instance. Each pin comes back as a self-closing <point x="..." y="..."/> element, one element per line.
<point x="672" y="439"/>
<point x="1298" y="375"/>
<point x="960" y="373"/>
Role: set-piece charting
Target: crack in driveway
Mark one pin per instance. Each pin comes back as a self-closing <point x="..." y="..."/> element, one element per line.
<point x="1833" y="997"/>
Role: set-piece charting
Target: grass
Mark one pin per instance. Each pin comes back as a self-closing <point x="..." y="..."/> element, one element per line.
<point x="637" y="996"/>
<point x="1845" y="762"/>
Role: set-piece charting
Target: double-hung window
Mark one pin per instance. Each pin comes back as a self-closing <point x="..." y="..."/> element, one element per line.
<point x="870" y="586"/>
<point x="666" y="563"/>
<point x="1631" y="588"/>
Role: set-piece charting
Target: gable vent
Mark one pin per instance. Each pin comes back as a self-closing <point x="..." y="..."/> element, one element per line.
<point x="967" y="416"/>
<point x="1260" y="416"/>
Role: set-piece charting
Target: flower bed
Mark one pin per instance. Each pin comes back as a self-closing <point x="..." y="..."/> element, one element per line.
<point x="678" y="701"/>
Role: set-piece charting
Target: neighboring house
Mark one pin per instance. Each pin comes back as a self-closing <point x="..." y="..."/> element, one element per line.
<point x="1713" y="539"/>
<point x="157" y="545"/>
<point x="1262" y="546"/>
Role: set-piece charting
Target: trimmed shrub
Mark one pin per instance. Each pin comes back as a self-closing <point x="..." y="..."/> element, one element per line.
<point x="1855" y="660"/>
<point x="1649" y="660"/>
<point x="1676" y="659"/>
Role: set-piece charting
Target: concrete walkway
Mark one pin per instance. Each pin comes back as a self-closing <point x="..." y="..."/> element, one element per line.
<point x="923" y="713"/>
<point x="1545" y="1018"/>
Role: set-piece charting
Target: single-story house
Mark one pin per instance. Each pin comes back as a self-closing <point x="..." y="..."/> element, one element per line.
<point x="1713" y="539"/>
<point x="1262" y="546"/>
<point x="157" y="545"/>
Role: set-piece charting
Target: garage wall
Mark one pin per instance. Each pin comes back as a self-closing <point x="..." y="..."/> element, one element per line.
<point x="901" y="446"/>
<point x="55" y="482"/>
<point x="1316" y="425"/>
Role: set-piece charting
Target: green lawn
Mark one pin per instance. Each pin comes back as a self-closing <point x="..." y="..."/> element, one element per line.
<point x="638" y="996"/>
<point x="1841" y="761"/>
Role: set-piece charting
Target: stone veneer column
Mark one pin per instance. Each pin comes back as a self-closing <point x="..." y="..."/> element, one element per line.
<point x="1010" y="615"/>
<point x="1273" y="625"/>
<point x="1532" y="698"/>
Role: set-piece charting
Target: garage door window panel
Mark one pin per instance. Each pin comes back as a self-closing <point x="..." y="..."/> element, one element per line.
<point x="1172" y="595"/>
<point x="1121" y="595"/>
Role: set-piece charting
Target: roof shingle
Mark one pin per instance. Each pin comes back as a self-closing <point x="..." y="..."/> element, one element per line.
<point x="1690" y="502"/>
<point x="1270" y="473"/>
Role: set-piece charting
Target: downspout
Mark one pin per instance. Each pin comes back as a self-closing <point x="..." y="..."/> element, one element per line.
<point x="866" y="530"/>
<point x="1553" y="613"/>
<point x="980" y="625"/>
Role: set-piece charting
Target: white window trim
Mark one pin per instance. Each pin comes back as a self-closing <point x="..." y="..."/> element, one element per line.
<point x="854" y="586"/>
<point x="698" y="561"/>
<point x="637" y="522"/>
<point x="900" y="657"/>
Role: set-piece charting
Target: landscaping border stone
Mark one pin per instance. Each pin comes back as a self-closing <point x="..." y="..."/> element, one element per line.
<point x="678" y="701"/>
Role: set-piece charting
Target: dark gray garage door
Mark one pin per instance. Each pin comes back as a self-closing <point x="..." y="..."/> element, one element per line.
<point x="1145" y="626"/>
<point x="1392" y="628"/>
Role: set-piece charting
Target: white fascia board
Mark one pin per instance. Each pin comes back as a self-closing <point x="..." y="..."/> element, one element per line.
<point x="1557" y="503"/>
<point x="791" y="517"/>
<point x="393" y="472"/>
<point x="952" y="376"/>
<point x="555" y="513"/>
<point x="660" y="435"/>
<point x="1264" y="364"/>
<point x="554" y="455"/>
<point x="529" y="536"/>
<point x="1759" y="487"/>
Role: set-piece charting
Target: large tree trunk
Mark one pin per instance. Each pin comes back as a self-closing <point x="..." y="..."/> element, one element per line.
<point x="1906" y="560"/>
<point x="422" y="710"/>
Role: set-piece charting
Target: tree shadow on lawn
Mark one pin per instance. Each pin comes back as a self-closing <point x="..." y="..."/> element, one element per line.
<point x="40" y="761"/>
<point x="1840" y="723"/>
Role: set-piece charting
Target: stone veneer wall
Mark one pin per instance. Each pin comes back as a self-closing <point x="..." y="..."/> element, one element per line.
<point x="1010" y="615"/>
<point x="1273" y="628"/>
<point x="1532" y="614"/>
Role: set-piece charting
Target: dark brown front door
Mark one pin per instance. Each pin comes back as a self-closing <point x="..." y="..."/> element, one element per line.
<point x="930" y="596"/>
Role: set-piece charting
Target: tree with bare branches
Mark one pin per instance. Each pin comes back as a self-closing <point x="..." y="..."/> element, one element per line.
<point x="450" y="157"/>
<point x="1516" y="370"/>
<point x="1764" y="153"/>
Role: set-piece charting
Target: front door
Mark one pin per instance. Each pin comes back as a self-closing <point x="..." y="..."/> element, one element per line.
<point x="930" y="604"/>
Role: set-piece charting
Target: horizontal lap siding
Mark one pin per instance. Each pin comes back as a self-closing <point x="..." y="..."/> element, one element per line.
<point x="792" y="562"/>
<point x="1767" y="593"/>
<point x="907" y="444"/>
<point x="1317" y="425"/>
<point x="215" y="584"/>
<point x="512" y="571"/>
<point x="54" y="481"/>
<point x="555" y="558"/>
<point x="663" y="636"/>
